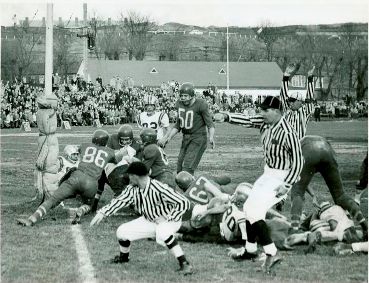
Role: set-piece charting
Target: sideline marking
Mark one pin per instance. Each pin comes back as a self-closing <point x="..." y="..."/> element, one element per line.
<point x="86" y="270"/>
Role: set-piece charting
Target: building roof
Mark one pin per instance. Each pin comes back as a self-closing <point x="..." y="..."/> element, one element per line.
<point x="264" y="75"/>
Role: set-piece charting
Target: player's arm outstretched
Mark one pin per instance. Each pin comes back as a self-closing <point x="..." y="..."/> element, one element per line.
<point x="216" y="205"/>
<point x="123" y="200"/>
<point x="310" y="92"/>
<point x="287" y="75"/>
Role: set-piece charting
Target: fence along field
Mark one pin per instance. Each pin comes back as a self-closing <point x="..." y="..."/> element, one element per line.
<point x="47" y="253"/>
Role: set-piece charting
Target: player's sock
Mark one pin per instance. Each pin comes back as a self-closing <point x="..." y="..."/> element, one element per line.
<point x="263" y="233"/>
<point x="176" y="249"/>
<point x="124" y="246"/>
<point x="295" y="222"/>
<point x="38" y="214"/>
<point x="251" y="247"/>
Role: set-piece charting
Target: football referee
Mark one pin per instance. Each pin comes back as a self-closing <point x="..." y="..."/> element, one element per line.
<point x="161" y="209"/>
<point x="283" y="164"/>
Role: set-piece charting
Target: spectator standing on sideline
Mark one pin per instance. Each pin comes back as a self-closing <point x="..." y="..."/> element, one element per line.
<point x="193" y="119"/>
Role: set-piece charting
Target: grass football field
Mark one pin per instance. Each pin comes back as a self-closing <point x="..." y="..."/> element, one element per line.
<point x="49" y="251"/>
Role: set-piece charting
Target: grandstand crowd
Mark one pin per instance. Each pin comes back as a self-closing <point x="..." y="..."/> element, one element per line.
<point x="81" y="102"/>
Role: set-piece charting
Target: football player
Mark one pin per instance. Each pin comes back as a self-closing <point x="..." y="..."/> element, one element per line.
<point x="328" y="223"/>
<point x="194" y="121"/>
<point x="155" y="158"/>
<point x="150" y="118"/>
<point x="81" y="181"/>
<point x="320" y="157"/>
<point x="126" y="148"/>
<point x="71" y="160"/>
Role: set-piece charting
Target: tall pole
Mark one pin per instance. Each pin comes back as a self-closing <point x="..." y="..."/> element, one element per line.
<point x="85" y="51"/>
<point x="49" y="50"/>
<point x="227" y="61"/>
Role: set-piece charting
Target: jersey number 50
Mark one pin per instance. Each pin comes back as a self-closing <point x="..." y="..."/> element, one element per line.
<point x="185" y="118"/>
<point x="92" y="155"/>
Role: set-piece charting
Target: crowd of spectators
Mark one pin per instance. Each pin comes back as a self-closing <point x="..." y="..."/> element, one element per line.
<point x="119" y="101"/>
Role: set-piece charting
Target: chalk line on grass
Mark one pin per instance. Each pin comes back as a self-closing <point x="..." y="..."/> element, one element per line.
<point x="86" y="270"/>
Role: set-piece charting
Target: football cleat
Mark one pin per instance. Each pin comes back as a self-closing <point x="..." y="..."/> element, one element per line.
<point x="343" y="249"/>
<point x="186" y="269"/>
<point x="313" y="238"/>
<point x="119" y="259"/>
<point x="270" y="263"/>
<point x="24" y="222"/>
<point x="241" y="254"/>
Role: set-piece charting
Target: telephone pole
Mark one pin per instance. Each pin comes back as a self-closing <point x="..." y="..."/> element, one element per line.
<point x="49" y="49"/>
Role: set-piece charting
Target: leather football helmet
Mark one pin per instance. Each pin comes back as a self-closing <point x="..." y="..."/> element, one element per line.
<point x="100" y="137"/>
<point x="71" y="152"/>
<point x="184" y="180"/>
<point x="184" y="90"/>
<point x="125" y="135"/>
<point x="148" y="136"/>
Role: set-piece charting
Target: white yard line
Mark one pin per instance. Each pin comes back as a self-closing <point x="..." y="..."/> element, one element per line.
<point x="86" y="270"/>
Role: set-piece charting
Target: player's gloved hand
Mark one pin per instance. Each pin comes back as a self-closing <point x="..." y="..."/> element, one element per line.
<point x="234" y="253"/>
<point x="97" y="219"/>
<point x="282" y="190"/>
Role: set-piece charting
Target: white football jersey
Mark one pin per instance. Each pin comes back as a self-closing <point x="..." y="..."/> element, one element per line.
<point x="232" y="217"/>
<point x="65" y="166"/>
<point x="157" y="121"/>
<point x="338" y="214"/>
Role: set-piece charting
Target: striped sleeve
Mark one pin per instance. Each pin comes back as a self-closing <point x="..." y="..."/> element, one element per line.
<point x="179" y="203"/>
<point x="283" y="93"/>
<point x="123" y="200"/>
<point x="310" y="95"/>
<point x="297" y="160"/>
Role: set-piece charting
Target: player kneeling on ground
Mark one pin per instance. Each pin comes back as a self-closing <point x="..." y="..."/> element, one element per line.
<point x="81" y="181"/>
<point x="161" y="209"/>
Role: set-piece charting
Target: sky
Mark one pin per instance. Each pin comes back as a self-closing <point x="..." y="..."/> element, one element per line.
<point x="201" y="12"/>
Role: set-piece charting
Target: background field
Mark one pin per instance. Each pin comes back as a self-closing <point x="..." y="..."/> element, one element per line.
<point x="46" y="252"/>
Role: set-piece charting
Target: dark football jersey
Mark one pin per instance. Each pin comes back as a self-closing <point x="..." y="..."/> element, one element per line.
<point x="155" y="159"/>
<point x="197" y="193"/>
<point x="94" y="159"/>
<point x="193" y="119"/>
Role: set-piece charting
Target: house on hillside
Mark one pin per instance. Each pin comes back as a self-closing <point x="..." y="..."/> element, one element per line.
<point x="255" y="79"/>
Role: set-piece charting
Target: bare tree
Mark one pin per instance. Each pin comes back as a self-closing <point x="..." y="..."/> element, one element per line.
<point x="135" y="28"/>
<point x="22" y="53"/>
<point x="63" y="57"/>
<point x="170" y="46"/>
<point x="267" y="33"/>
<point x="109" y="41"/>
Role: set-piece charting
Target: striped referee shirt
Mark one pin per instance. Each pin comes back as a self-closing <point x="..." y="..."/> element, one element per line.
<point x="157" y="200"/>
<point x="282" y="149"/>
<point x="299" y="118"/>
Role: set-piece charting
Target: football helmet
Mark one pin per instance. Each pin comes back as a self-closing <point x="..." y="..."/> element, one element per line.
<point x="241" y="194"/>
<point x="150" y="103"/>
<point x="100" y="137"/>
<point x="71" y="152"/>
<point x="184" y="180"/>
<point x="186" y="93"/>
<point x="148" y="136"/>
<point x="150" y="100"/>
<point x="125" y="135"/>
